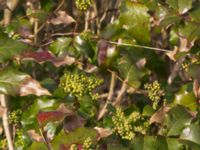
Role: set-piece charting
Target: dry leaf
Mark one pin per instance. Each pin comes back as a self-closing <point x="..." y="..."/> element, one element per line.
<point x="172" y="54"/>
<point x="62" y="18"/>
<point x="31" y="86"/>
<point x="103" y="132"/>
<point x="196" y="88"/>
<point x="35" y="136"/>
<point x="67" y="60"/>
<point x="158" y="117"/>
<point x="141" y="63"/>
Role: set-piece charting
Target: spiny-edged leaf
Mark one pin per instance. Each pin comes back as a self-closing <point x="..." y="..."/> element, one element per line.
<point x="77" y="136"/>
<point x="13" y="82"/>
<point x="44" y="117"/>
<point x="135" y="19"/>
<point x="129" y="71"/>
<point x="44" y="56"/>
<point x="186" y="97"/>
<point x="176" y="120"/>
<point x="10" y="48"/>
<point x="191" y="133"/>
<point x="158" y="116"/>
<point x="38" y="146"/>
<point x="60" y="45"/>
<point x="182" y="6"/>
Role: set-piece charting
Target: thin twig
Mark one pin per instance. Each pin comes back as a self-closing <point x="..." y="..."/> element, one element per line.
<point x="139" y="46"/>
<point x="120" y="94"/>
<point x="110" y="96"/>
<point x="8" y="134"/>
<point x="44" y="139"/>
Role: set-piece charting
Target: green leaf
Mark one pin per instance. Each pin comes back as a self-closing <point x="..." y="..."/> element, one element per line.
<point x="77" y="136"/>
<point x="84" y="46"/>
<point x="60" y="46"/>
<point x="182" y="6"/>
<point x="191" y="133"/>
<point x="10" y="81"/>
<point x="29" y="117"/>
<point x="10" y="48"/>
<point x="38" y="146"/>
<point x="176" y="120"/>
<point x="130" y="72"/>
<point x="134" y="18"/>
<point x="186" y="97"/>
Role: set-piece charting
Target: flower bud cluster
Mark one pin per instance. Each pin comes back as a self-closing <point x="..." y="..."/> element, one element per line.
<point x="15" y="116"/>
<point x="87" y="144"/>
<point x="154" y="93"/>
<point x="127" y="126"/>
<point x="3" y="144"/>
<point x="19" y="142"/>
<point x="83" y="4"/>
<point x="79" y="84"/>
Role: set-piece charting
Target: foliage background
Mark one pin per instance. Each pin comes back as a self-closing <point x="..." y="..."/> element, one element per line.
<point x="83" y="74"/>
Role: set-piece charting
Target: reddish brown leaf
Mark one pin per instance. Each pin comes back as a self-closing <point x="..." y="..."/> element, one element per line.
<point x="44" y="56"/>
<point x="51" y="116"/>
<point x="158" y="117"/>
<point x="62" y="18"/>
<point x="31" y="86"/>
<point x="39" y="56"/>
<point x="35" y="136"/>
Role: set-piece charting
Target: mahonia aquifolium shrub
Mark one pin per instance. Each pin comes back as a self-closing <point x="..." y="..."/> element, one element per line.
<point x="14" y="117"/>
<point x="3" y="144"/>
<point x="154" y="93"/>
<point x="83" y="4"/>
<point x="127" y="126"/>
<point x="79" y="84"/>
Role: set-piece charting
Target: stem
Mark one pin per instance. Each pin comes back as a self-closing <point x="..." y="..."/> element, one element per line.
<point x="11" y="4"/>
<point x="35" y="30"/>
<point x="110" y="96"/>
<point x="8" y="134"/>
<point x="44" y="139"/>
<point x="120" y="94"/>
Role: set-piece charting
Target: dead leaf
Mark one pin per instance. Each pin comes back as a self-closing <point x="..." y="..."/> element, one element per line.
<point x="44" y="56"/>
<point x="158" y="117"/>
<point x="31" y="86"/>
<point x="141" y="63"/>
<point x="103" y="132"/>
<point x="172" y="54"/>
<point x="35" y="136"/>
<point x="2" y="111"/>
<point x="62" y="18"/>
<point x="196" y="88"/>
<point x="67" y="60"/>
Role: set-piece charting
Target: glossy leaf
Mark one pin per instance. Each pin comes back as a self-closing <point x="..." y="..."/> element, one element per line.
<point x="176" y="120"/>
<point x="139" y="20"/>
<point x="10" y="48"/>
<point x="13" y="82"/>
<point x="186" y="97"/>
<point x="182" y="6"/>
<point x="77" y="136"/>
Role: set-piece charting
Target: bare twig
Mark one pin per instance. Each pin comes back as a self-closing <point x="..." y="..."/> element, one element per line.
<point x="120" y="94"/>
<point x="44" y="139"/>
<point x="139" y="46"/>
<point x="110" y="96"/>
<point x="8" y="134"/>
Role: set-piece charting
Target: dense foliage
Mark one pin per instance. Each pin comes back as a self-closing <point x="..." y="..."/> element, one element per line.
<point x="100" y="74"/>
